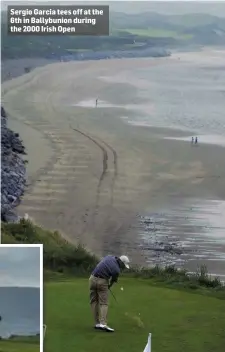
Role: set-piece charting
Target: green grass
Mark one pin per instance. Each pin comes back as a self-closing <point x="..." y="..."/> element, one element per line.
<point x="157" y="33"/>
<point x="59" y="255"/>
<point x="178" y="321"/>
<point x="184" y="313"/>
<point x="20" y="344"/>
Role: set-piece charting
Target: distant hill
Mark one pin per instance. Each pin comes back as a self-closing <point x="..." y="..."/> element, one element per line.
<point x="209" y="34"/>
<point x="128" y="31"/>
<point x="196" y="20"/>
<point x="170" y="22"/>
<point x="198" y="28"/>
<point x="161" y="7"/>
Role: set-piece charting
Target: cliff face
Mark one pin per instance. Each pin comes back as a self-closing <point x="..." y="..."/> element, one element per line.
<point x="13" y="170"/>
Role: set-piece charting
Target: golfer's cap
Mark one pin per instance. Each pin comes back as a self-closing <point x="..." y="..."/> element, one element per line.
<point x="125" y="261"/>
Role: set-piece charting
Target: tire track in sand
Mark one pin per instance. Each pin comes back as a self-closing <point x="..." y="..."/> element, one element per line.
<point x="105" y="159"/>
<point x="115" y="163"/>
<point x="47" y="194"/>
<point x="107" y="178"/>
<point x="101" y="191"/>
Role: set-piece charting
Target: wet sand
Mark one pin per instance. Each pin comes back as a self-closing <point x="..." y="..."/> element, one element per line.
<point x="187" y="233"/>
<point x="99" y="172"/>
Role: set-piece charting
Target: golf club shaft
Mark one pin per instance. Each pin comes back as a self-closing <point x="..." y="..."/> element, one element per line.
<point x="113" y="295"/>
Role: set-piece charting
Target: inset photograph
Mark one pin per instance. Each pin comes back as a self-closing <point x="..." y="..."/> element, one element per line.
<point x="21" y="300"/>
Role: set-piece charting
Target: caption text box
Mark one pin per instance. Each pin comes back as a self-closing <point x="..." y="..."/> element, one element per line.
<point x="58" y="20"/>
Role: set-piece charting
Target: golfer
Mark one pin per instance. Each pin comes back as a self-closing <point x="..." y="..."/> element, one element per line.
<point x="102" y="278"/>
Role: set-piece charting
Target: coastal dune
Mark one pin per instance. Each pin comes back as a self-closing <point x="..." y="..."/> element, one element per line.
<point x="91" y="173"/>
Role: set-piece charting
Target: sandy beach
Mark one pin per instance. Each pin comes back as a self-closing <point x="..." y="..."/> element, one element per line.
<point x="110" y="177"/>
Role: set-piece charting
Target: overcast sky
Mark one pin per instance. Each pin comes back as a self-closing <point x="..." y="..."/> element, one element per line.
<point x="165" y="7"/>
<point x="20" y="266"/>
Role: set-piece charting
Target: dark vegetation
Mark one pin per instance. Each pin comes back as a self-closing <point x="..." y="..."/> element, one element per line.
<point x="63" y="259"/>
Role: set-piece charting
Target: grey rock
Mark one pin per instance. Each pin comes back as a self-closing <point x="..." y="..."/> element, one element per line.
<point x="13" y="171"/>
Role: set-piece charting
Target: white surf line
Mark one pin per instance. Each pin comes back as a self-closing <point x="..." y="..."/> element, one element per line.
<point x="43" y="191"/>
<point x="65" y="173"/>
<point x="57" y="141"/>
<point x="65" y="166"/>
<point x="69" y="155"/>
<point x="26" y="207"/>
<point x="59" y="134"/>
<point x="62" y="177"/>
<point x="68" y="167"/>
<point x="31" y="210"/>
<point x="73" y="160"/>
<point x="51" y="185"/>
<point x="39" y="198"/>
<point x="82" y="161"/>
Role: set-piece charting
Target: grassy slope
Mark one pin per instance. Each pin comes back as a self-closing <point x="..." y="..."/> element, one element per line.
<point x="178" y="321"/>
<point x="20" y="344"/>
<point x="63" y="257"/>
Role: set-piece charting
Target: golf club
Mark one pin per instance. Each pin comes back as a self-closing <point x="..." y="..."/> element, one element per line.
<point x="113" y="295"/>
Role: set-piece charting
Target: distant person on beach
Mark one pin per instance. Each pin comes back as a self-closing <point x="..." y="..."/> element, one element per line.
<point x="192" y="140"/>
<point x="196" y="140"/>
<point x="96" y="103"/>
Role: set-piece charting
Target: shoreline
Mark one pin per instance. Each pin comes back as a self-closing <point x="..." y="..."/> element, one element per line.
<point x="141" y="167"/>
<point x="9" y="70"/>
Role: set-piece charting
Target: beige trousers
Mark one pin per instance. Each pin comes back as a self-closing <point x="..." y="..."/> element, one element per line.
<point x="99" y="294"/>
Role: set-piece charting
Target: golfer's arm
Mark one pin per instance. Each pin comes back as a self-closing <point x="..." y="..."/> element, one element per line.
<point x="113" y="279"/>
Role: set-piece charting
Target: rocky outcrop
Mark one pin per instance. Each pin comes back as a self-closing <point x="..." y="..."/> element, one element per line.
<point x="13" y="171"/>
